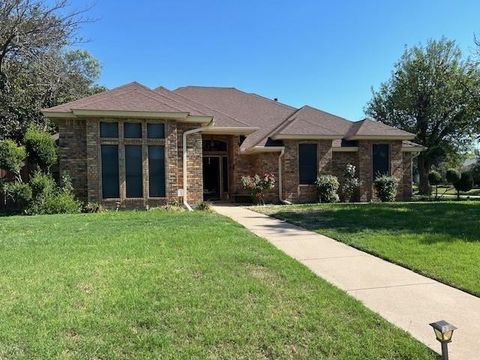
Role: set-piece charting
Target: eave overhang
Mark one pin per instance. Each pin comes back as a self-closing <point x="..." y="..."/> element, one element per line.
<point x="381" y="137"/>
<point x="262" y="149"/>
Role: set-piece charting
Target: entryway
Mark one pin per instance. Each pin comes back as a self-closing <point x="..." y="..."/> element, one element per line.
<point x="215" y="168"/>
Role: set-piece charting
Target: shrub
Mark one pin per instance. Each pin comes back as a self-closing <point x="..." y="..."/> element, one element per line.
<point x="205" y="206"/>
<point x="434" y="178"/>
<point x="52" y="199"/>
<point x="386" y="187"/>
<point x="256" y="185"/>
<point x="12" y="157"/>
<point x="327" y="186"/>
<point x="476" y="172"/>
<point x="452" y="176"/>
<point x="42" y="184"/>
<point x="19" y="193"/>
<point x="351" y="184"/>
<point x="41" y="148"/>
<point x="465" y="183"/>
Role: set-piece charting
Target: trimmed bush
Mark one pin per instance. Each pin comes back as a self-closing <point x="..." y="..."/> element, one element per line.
<point x="435" y="179"/>
<point x="465" y="183"/>
<point x="204" y="206"/>
<point x="327" y="187"/>
<point x="351" y="184"/>
<point x="386" y="187"/>
<point x="42" y="184"/>
<point x="41" y="148"/>
<point x="452" y="176"/>
<point x="12" y="157"/>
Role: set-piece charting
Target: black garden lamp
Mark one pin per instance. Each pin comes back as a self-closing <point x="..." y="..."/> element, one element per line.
<point x="443" y="332"/>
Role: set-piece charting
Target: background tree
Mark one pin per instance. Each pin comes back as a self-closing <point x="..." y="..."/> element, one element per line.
<point x="465" y="183"/>
<point x="36" y="69"/>
<point x="433" y="93"/>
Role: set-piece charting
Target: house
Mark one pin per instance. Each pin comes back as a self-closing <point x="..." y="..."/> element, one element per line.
<point x="135" y="146"/>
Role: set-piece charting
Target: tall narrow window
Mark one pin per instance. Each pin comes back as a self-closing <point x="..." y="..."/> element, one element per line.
<point x="381" y="160"/>
<point x="156" y="170"/>
<point x="307" y="163"/>
<point x="110" y="182"/>
<point x="133" y="171"/>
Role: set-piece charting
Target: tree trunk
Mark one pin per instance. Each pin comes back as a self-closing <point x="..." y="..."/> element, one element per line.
<point x="423" y="170"/>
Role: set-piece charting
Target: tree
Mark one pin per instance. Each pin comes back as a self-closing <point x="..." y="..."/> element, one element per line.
<point x="452" y="176"/>
<point x="36" y="69"/>
<point x="475" y="170"/>
<point x="432" y="93"/>
<point x="434" y="178"/>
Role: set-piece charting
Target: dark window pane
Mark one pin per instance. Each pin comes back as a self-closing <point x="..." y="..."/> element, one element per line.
<point x="109" y="130"/>
<point x="156" y="169"/>
<point x="132" y="130"/>
<point x="133" y="171"/>
<point x="225" y="173"/>
<point x="381" y="160"/>
<point x="110" y="183"/>
<point x="214" y="145"/>
<point x="307" y="163"/>
<point x="155" y="131"/>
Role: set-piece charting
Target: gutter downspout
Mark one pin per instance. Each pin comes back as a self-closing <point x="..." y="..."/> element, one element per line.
<point x="185" y="182"/>
<point x="280" y="182"/>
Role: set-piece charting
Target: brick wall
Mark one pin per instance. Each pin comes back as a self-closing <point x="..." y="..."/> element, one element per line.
<point x="73" y="154"/>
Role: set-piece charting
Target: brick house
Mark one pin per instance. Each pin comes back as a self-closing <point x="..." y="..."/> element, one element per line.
<point x="141" y="147"/>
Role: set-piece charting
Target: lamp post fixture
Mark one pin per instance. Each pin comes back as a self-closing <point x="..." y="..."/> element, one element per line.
<point x="443" y="332"/>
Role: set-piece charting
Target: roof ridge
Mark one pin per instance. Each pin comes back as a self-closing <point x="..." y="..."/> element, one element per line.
<point x="174" y="100"/>
<point x="270" y="100"/>
<point x="210" y="108"/>
<point x="329" y="113"/>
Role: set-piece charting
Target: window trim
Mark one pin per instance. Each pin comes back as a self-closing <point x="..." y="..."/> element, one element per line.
<point x="298" y="163"/>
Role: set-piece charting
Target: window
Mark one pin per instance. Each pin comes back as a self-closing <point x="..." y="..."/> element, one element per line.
<point x="156" y="170"/>
<point x="214" y="145"/>
<point x="307" y="163"/>
<point x="381" y="160"/>
<point x="132" y="130"/>
<point x="110" y="183"/>
<point x="133" y="171"/>
<point x="156" y="131"/>
<point x="109" y="130"/>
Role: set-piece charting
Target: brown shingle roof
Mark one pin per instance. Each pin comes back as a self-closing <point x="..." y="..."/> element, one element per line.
<point x="308" y="120"/>
<point x="368" y="127"/>
<point x="251" y="109"/>
<point x="129" y="97"/>
<point x="221" y="119"/>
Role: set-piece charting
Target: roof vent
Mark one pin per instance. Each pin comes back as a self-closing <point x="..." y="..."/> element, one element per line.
<point x="275" y="99"/>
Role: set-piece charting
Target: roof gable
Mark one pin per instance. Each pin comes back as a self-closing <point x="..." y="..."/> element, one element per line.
<point x="368" y="128"/>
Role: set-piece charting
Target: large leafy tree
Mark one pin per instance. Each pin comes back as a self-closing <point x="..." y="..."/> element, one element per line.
<point x="434" y="93"/>
<point x="38" y="67"/>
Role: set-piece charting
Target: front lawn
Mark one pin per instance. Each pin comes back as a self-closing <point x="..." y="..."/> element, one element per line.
<point x="173" y="285"/>
<point x="438" y="239"/>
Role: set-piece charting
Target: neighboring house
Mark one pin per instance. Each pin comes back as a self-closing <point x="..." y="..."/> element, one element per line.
<point x="127" y="146"/>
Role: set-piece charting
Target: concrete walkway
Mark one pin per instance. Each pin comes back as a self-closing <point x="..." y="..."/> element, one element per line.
<point x="406" y="299"/>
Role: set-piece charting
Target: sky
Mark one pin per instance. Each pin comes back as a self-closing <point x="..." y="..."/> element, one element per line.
<point x="327" y="54"/>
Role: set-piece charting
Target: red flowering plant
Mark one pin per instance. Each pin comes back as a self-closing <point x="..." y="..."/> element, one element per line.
<point x="256" y="185"/>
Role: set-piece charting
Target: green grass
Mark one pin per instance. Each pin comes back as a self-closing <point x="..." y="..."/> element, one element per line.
<point x="173" y="285"/>
<point x="438" y="239"/>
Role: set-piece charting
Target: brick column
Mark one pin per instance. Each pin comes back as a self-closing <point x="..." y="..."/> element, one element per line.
<point x="93" y="160"/>
<point x="365" y="168"/>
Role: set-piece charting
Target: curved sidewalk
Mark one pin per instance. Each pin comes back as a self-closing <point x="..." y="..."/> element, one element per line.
<point x="403" y="297"/>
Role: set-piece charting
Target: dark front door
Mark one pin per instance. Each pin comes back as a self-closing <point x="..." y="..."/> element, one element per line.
<point x="211" y="177"/>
